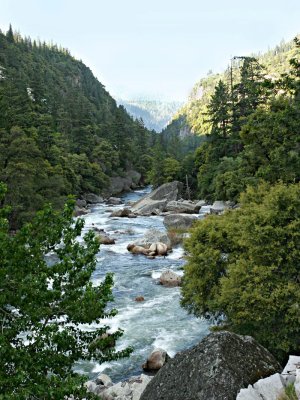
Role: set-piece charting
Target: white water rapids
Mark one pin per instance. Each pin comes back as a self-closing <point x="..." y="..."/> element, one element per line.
<point x="159" y="321"/>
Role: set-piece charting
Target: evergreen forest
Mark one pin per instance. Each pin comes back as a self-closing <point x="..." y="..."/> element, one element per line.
<point x="61" y="131"/>
<point x="62" y="136"/>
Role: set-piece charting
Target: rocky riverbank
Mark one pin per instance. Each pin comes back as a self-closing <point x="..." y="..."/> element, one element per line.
<point x="222" y="365"/>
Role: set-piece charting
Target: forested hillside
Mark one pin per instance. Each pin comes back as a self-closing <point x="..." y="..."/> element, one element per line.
<point x="60" y="131"/>
<point x="244" y="265"/>
<point x="155" y="114"/>
<point x="194" y="112"/>
<point x="247" y="120"/>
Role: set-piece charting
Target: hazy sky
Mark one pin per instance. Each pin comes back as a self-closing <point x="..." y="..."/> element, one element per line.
<point x="154" y="48"/>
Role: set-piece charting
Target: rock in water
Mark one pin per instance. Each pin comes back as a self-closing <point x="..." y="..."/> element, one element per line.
<point x="215" y="369"/>
<point x="92" y="198"/>
<point x="158" y="199"/>
<point x="179" y="221"/>
<point x="156" y="360"/>
<point x="115" y="201"/>
<point x="185" y="207"/>
<point x="169" y="278"/>
<point x="105" y="239"/>
<point x="218" y="207"/>
<point x="153" y="236"/>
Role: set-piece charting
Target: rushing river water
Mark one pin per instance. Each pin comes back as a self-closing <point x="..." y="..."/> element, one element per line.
<point x="159" y="321"/>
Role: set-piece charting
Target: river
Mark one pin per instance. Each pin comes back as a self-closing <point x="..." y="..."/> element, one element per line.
<point x="159" y="321"/>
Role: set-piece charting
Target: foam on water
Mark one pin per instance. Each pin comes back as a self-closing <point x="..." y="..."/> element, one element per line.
<point x="158" y="321"/>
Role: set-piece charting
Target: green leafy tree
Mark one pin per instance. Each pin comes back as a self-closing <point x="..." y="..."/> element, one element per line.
<point x="244" y="267"/>
<point x="49" y="310"/>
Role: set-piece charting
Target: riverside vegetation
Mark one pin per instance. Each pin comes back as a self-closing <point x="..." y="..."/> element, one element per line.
<point x="61" y="133"/>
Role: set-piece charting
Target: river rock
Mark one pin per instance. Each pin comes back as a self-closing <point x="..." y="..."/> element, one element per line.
<point x="156" y="360"/>
<point x="218" y="207"/>
<point x="215" y="369"/>
<point x="92" y="198"/>
<point x="158" y="249"/>
<point x="81" y="203"/>
<point x="124" y="213"/>
<point x="177" y="207"/>
<point x="139" y="298"/>
<point x="169" y="278"/>
<point x="115" y="201"/>
<point x="80" y="211"/>
<point x="135" y="178"/>
<point x="137" y="249"/>
<point x="289" y="372"/>
<point x="158" y="199"/>
<point x="103" y="380"/>
<point x="105" y="239"/>
<point x="127" y="390"/>
<point x="90" y="386"/>
<point x="270" y="388"/>
<point x="153" y="236"/>
<point x="119" y="184"/>
<point x="179" y="221"/>
<point x="199" y="204"/>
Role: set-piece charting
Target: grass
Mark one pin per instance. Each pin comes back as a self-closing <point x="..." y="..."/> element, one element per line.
<point x="289" y="393"/>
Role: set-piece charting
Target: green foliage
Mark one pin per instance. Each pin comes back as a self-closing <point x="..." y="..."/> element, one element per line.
<point x="195" y="112"/>
<point x="49" y="310"/>
<point x="244" y="266"/>
<point x="289" y="393"/>
<point x="60" y="130"/>
<point x="254" y="135"/>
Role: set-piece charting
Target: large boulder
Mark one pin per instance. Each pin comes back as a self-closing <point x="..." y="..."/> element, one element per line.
<point x="199" y="204"/>
<point x="92" y="198"/>
<point x="158" y="199"/>
<point x="80" y="211"/>
<point x="105" y="239"/>
<point x="170" y="279"/>
<point x="124" y="213"/>
<point x="156" y="360"/>
<point x="81" y="203"/>
<point x="184" y="206"/>
<point x="115" y="201"/>
<point x="179" y="221"/>
<point x="218" y="207"/>
<point x="153" y="236"/>
<point x="135" y="178"/>
<point x="158" y="249"/>
<point x="119" y="184"/>
<point x="137" y="249"/>
<point x="215" y="369"/>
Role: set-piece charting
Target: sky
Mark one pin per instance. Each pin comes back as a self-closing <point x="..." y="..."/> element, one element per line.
<point x="154" y="49"/>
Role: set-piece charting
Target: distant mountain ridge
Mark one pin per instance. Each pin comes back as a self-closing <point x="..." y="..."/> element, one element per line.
<point x="156" y="114"/>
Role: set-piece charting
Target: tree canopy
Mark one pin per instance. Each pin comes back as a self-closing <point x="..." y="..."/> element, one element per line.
<point x="60" y="130"/>
<point x="243" y="268"/>
<point x="51" y="315"/>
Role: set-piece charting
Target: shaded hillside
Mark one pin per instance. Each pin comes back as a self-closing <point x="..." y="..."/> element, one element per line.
<point x="60" y="130"/>
<point x="155" y="114"/>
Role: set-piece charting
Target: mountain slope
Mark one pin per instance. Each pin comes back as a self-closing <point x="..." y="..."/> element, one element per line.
<point x="155" y="114"/>
<point x="194" y="112"/>
<point x="60" y="130"/>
